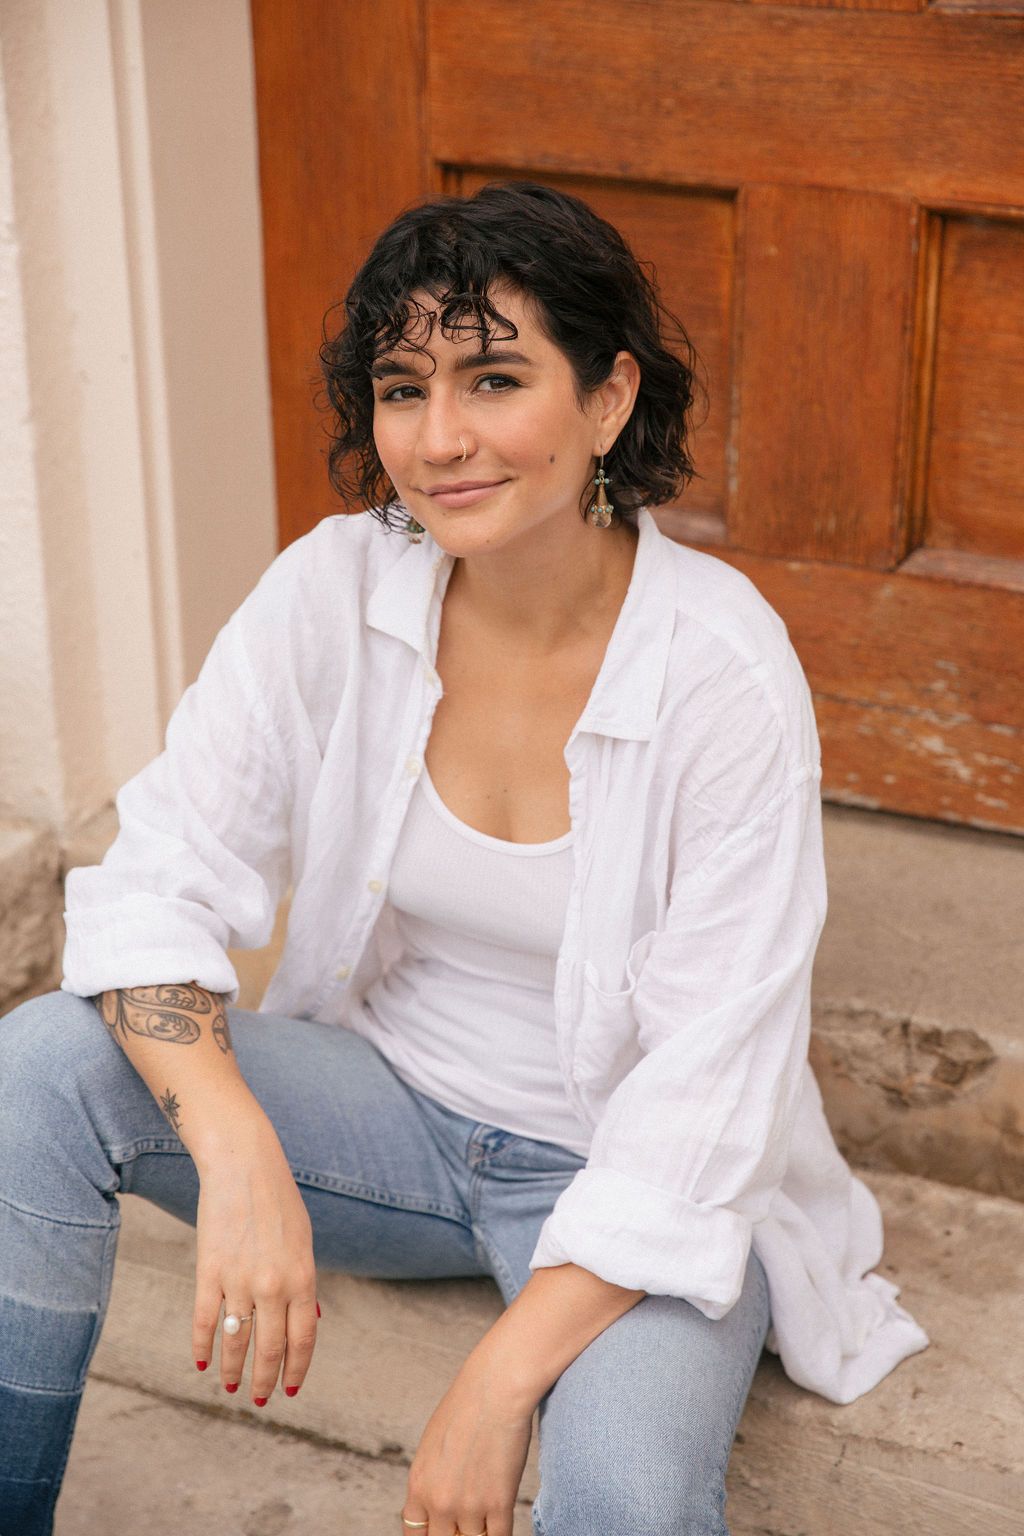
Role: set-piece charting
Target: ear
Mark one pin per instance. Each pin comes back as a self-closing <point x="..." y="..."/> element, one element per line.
<point x="618" y="396"/>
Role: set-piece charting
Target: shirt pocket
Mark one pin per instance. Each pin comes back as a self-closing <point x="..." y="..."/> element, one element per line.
<point x="607" y="1043"/>
<point x="634" y="964"/>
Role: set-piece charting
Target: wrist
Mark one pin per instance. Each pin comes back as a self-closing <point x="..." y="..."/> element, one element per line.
<point x="503" y="1370"/>
<point x="232" y="1127"/>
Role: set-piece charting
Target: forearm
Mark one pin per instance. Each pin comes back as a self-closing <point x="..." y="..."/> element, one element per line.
<point x="560" y="1310"/>
<point x="178" y="1040"/>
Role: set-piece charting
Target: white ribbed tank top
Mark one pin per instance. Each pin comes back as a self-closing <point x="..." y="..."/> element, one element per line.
<point x="466" y="1015"/>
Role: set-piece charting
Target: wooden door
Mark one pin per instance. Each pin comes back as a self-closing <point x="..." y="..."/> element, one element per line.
<point x="833" y="197"/>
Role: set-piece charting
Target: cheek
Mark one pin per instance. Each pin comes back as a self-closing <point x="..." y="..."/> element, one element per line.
<point x="387" y="442"/>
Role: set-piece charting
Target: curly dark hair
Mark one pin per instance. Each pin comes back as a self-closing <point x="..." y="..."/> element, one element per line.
<point x="591" y="297"/>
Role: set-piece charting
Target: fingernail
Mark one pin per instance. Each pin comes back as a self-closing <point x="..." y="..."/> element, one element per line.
<point x="200" y="1365"/>
<point x="231" y="1386"/>
<point x="318" y="1312"/>
<point x="260" y="1401"/>
<point x="290" y="1391"/>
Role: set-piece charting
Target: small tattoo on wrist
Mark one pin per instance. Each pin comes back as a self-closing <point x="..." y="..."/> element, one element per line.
<point x="172" y="1109"/>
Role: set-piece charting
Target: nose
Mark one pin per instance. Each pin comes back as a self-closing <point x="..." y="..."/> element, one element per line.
<point x="442" y="431"/>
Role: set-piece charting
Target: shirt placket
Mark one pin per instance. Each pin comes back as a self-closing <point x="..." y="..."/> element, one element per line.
<point x="411" y="747"/>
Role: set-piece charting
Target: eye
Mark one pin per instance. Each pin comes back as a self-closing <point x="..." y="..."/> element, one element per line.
<point x="504" y="379"/>
<point x="396" y="392"/>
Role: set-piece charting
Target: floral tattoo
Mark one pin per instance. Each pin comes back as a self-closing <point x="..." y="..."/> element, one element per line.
<point x="171" y="1108"/>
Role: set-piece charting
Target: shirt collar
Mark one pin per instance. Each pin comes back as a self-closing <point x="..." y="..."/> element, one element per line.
<point x="406" y="603"/>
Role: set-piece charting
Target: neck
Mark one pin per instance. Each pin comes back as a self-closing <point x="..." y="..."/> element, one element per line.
<point x="547" y="592"/>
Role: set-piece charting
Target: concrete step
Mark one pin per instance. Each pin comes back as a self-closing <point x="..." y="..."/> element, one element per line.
<point x="935" y="1450"/>
<point x="239" y="1478"/>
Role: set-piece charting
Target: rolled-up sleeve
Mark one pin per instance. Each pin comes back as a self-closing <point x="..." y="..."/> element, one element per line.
<point x="201" y="859"/>
<point x="693" y="1143"/>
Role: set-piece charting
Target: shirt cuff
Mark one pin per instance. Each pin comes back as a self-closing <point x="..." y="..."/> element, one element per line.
<point x="145" y="941"/>
<point x="646" y="1239"/>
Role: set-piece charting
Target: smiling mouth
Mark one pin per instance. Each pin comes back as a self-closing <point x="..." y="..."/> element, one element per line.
<point x="465" y="495"/>
<point x="468" y="485"/>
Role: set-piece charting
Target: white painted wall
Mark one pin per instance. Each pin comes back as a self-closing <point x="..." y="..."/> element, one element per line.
<point x="136" y="481"/>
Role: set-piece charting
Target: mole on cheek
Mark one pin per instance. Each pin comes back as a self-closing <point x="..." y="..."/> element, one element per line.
<point x="552" y="459"/>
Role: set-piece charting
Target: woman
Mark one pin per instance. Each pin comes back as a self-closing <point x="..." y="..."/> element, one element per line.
<point x="545" y="785"/>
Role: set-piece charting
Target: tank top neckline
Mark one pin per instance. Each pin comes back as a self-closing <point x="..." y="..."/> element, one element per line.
<point x="501" y="844"/>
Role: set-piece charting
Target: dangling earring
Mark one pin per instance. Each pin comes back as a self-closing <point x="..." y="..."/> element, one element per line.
<point x="601" y="509"/>
<point x="413" y="529"/>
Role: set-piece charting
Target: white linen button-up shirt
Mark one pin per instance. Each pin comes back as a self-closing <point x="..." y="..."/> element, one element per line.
<point x="682" y="990"/>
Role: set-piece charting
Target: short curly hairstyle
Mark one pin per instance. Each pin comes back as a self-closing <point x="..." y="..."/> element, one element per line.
<point x="591" y="297"/>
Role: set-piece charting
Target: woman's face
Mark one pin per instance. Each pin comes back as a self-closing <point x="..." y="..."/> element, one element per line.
<point x="529" y="448"/>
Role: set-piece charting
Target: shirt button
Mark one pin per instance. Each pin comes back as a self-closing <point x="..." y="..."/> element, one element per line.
<point x="343" y="972"/>
<point x="412" y="766"/>
<point x="375" y="885"/>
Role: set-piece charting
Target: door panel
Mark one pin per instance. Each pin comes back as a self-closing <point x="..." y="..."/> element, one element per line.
<point x="821" y="394"/>
<point x="832" y="195"/>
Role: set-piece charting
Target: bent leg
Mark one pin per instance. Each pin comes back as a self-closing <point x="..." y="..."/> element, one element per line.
<point x="78" y="1125"/>
<point x="636" y="1434"/>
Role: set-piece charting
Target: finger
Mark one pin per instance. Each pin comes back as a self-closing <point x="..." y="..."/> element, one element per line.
<point x="205" y="1316"/>
<point x="267" y="1350"/>
<point x="472" y="1522"/>
<point x="497" y="1523"/>
<point x="234" y="1346"/>
<point x="300" y="1344"/>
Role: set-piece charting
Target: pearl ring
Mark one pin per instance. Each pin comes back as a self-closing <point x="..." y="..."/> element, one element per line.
<point x="232" y="1323"/>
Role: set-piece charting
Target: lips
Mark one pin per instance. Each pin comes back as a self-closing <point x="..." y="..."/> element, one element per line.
<point x="465" y="493"/>
<point x="462" y="485"/>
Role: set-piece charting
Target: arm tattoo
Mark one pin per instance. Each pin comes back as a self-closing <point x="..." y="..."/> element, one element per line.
<point x="221" y="1032"/>
<point x="172" y="1109"/>
<point x="166" y="1012"/>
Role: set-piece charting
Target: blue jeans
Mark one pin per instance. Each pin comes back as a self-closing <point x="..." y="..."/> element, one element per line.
<point x="635" y="1434"/>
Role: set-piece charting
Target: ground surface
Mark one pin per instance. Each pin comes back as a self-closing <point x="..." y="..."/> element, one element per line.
<point x="243" y="1478"/>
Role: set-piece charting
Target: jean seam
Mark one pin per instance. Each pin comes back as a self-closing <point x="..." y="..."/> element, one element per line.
<point x="118" y="1156"/>
<point x="493" y="1257"/>
<point x="753" y="1355"/>
<point x="377" y="1196"/>
<point x="58" y="1221"/>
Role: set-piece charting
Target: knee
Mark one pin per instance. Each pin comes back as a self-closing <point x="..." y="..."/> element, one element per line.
<point x="49" y="1048"/>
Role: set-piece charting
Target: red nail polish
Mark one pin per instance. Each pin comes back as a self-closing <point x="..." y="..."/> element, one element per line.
<point x="290" y="1391"/>
<point x="260" y="1401"/>
<point x="231" y="1386"/>
<point x="318" y="1312"/>
<point x="200" y="1365"/>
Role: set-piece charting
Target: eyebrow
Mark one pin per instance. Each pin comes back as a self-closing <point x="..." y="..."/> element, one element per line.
<point x="386" y="369"/>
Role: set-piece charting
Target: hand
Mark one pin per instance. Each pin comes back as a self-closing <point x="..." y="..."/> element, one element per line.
<point x="469" y="1463"/>
<point x="255" y="1254"/>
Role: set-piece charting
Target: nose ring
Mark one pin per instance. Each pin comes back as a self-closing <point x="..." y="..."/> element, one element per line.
<point x="463" y="447"/>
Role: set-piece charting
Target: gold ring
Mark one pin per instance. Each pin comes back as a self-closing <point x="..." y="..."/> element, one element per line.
<point x="415" y="1525"/>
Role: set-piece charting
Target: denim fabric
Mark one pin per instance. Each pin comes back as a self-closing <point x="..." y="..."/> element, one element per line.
<point x="636" y="1433"/>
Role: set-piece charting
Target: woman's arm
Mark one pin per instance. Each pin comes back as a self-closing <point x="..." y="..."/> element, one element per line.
<point x="178" y="1040"/>
<point x="254" y="1239"/>
<point x="558" y="1312"/>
